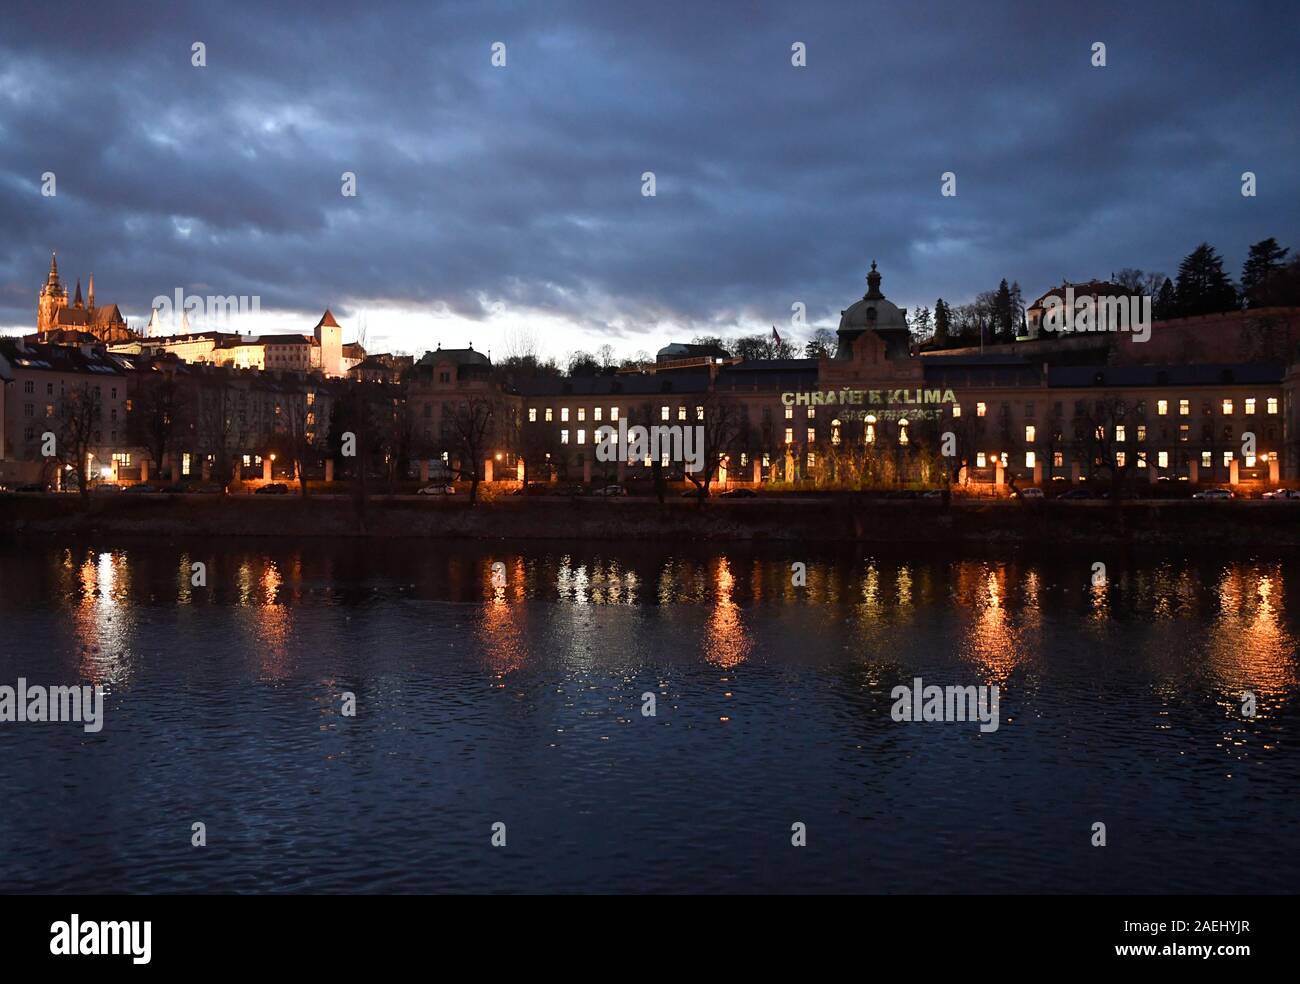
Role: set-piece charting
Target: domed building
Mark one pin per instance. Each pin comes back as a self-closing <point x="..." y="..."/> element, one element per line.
<point x="877" y="315"/>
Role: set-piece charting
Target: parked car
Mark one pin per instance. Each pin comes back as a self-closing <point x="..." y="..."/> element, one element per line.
<point x="1213" y="494"/>
<point x="611" y="490"/>
<point x="140" y="488"/>
<point x="176" y="489"/>
<point x="107" y="487"/>
<point x="30" y="487"/>
<point x="438" y="489"/>
<point x="1033" y="492"/>
<point x="274" y="488"/>
<point x="739" y="494"/>
<point x="1076" y="494"/>
<point x="932" y="494"/>
<point x="572" y="490"/>
<point x="1282" y="494"/>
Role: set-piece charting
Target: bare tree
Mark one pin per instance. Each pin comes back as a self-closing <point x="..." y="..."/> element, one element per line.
<point x="723" y="428"/>
<point x="1104" y="437"/>
<point x="79" y="417"/>
<point x="156" y="418"/>
<point x="470" y="427"/>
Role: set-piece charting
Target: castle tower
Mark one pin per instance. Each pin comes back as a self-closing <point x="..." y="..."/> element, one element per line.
<point x="329" y="341"/>
<point x="52" y="297"/>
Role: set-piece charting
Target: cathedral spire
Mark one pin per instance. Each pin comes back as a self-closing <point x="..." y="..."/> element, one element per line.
<point x="76" y="301"/>
<point x="90" y="293"/>
<point x="53" y="278"/>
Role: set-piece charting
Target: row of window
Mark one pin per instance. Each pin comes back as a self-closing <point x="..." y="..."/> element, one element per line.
<point x="665" y="413"/>
<point x="1228" y="407"/>
<point x="983" y="460"/>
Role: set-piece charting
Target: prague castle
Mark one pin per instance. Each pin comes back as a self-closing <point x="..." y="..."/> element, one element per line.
<point x="54" y="316"/>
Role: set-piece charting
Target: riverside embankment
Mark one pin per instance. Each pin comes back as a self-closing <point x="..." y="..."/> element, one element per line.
<point x="843" y="518"/>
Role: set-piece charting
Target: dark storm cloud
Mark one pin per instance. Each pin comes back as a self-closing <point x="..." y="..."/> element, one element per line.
<point x="775" y="184"/>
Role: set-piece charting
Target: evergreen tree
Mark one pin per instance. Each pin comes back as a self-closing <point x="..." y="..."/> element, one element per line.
<point x="1261" y="269"/>
<point x="1203" y="287"/>
<point x="941" y="324"/>
<point x="1004" y="325"/>
<point x="921" y="324"/>
<point x="1165" y="305"/>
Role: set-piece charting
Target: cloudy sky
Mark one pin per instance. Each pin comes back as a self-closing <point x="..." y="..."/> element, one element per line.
<point x="492" y="198"/>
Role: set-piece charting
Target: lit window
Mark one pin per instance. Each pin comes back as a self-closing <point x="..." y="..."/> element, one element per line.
<point x="835" y="432"/>
<point x="871" y="429"/>
<point x="1184" y="433"/>
<point x="789" y="413"/>
<point x="663" y="413"/>
<point x="1206" y="460"/>
<point x="1250" y="405"/>
<point x="980" y="460"/>
<point x="1162" y="459"/>
<point x="1121" y="433"/>
<point x="1162" y="408"/>
<point x="956" y="409"/>
<point x="767" y="461"/>
<point x="699" y="413"/>
<point x="613" y="413"/>
<point x="1058" y="459"/>
<point x="564" y="436"/>
<point x="1272" y="404"/>
<point x="582" y="436"/>
<point x="1120" y="458"/>
<point x="532" y="415"/>
<point x="1029" y="433"/>
<point x="1142" y="433"/>
<point x="564" y="414"/>
<point x="979" y="409"/>
<point x="812" y="435"/>
<point x="1227" y="458"/>
<point x="1184" y="408"/>
<point x="1250" y="461"/>
<point x="582" y="415"/>
<point x="812" y="459"/>
<point x="789" y="435"/>
<point x="595" y="413"/>
<point x="550" y="415"/>
<point x="812" y="411"/>
<point x="681" y="413"/>
<point x="1227" y="408"/>
<point x="902" y="431"/>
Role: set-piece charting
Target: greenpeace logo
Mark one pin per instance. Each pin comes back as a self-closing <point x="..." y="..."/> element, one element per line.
<point x="98" y="939"/>
<point x="23" y="704"/>
<point x="922" y="703"/>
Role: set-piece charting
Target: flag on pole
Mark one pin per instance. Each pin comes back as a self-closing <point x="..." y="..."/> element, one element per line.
<point x="775" y="337"/>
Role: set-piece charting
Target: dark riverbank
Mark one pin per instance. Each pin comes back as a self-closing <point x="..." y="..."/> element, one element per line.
<point x="844" y="518"/>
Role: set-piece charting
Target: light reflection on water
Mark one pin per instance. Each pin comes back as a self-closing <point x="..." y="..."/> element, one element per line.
<point x="481" y="698"/>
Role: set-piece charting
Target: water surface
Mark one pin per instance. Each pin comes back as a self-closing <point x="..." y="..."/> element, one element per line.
<point x="520" y="701"/>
